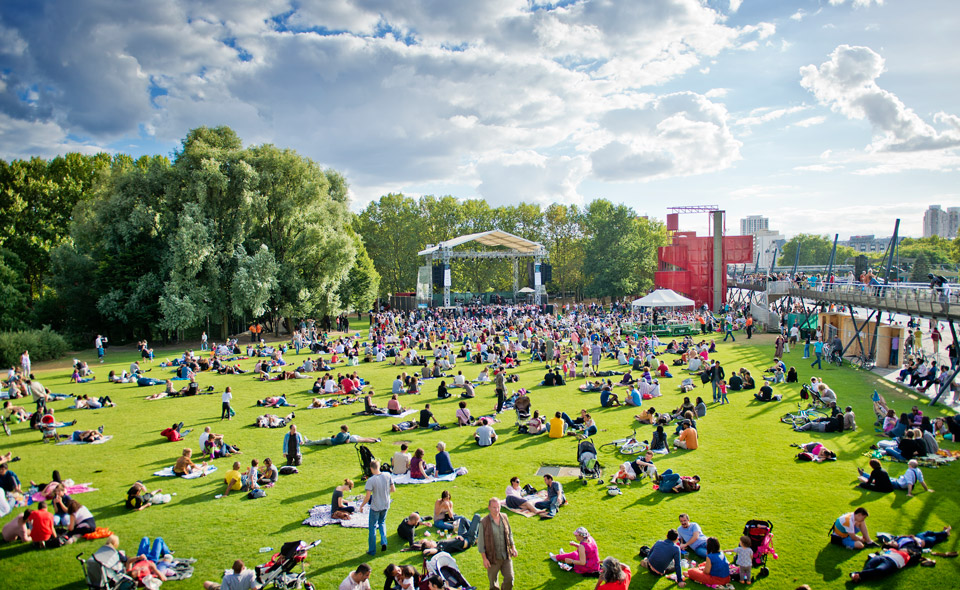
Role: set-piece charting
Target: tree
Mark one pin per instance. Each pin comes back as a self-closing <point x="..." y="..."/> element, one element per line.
<point x="389" y="227"/>
<point x="937" y="250"/>
<point x="563" y="235"/>
<point x="14" y="292"/>
<point x="814" y="250"/>
<point x="920" y="269"/>
<point x="609" y="247"/>
<point x="359" y="290"/>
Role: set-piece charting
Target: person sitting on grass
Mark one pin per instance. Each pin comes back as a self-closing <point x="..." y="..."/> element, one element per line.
<point x="463" y="415"/>
<point x="16" y="529"/>
<point x="244" y="579"/>
<point x="687" y="439"/>
<point x="715" y="570"/>
<point x="139" y="498"/>
<point x="442" y="459"/>
<point x="535" y="425"/>
<point x="485" y="435"/>
<point x="185" y="466"/>
<point x="585" y="560"/>
<point x="911" y="477"/>
<point x="608" y="399"/>
<point x="15" y="411"/>
<point x="766" y="394"/>
<point x="850" y="530"/>
<point x="393" y="406"/>
<point x="648" y="416"/>
<point x="514" y="498"/>
<point x="878" y="480"/>
<point x="664" y="558"/>
<point x="555" y="498"/>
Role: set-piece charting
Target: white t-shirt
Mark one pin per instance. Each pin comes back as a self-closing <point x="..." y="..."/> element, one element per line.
<point x="226" y="397"/>
<point x="349" y="584"/>
<point x="203" y="439"/>
<point x="82" y="514"/>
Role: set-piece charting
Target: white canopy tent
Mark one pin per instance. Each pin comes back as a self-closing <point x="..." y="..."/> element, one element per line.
<point x="663" y="298"/>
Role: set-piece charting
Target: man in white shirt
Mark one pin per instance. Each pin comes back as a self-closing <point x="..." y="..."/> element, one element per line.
<point x="225" y="411"/>
<point x="240" y="579"/>
<point x="401" y="460"/>
<point x="358" y="580"/>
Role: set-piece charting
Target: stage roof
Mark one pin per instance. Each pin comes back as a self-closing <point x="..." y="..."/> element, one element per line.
<point x="487" y="238"/>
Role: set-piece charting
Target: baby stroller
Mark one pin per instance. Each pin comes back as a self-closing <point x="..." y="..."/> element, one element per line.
<point x="444" y="565"/>
<point x="761" y="539"/>
<point x="279" y="571"/>
<point x="587" y="460"/>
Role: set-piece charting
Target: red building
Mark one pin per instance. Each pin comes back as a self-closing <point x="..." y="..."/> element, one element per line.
<point x="687" y="264"/>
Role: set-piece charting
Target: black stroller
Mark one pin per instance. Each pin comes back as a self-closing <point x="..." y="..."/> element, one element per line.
<point x="104" y="571"/>
<point x="280" y="570"/>
<point x="590" y="468"/>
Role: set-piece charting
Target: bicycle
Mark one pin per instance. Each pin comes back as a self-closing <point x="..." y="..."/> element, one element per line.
<point x="863" y="362"/>
<point x="802" y="416"/>
<point x="834" y="357"/>
<point x="628" y="445"/>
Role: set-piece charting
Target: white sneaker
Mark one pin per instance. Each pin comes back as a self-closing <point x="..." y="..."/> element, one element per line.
<point x="553" y="556"/>
<point x="566" y="567"/>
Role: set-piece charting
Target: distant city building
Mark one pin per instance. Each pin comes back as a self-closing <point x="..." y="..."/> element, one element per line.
<point x="768" y="243"/>
<point x="868" y="244"/>
<point x="751" y="224"/>
<point x="937" y="222"/>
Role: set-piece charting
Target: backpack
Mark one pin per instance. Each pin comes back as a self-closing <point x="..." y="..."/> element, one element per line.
<point x="257" y="493"/>
<point x="288" y="470"/>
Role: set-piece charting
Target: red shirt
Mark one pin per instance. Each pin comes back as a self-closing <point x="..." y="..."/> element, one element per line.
<point x="347" y="385"/>
<point x="171" y="434"/>
<point x="41" y="522"/>
<point x="621" y="585"/>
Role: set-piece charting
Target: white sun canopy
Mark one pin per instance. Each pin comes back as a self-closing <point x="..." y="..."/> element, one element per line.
<point x="663" y="298"/>
<point x="488" y="238"/>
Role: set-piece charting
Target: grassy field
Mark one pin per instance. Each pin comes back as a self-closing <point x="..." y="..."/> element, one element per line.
<point x="745" y="461"/>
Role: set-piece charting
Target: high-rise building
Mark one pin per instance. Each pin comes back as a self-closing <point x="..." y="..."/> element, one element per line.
<point x="953" y="222"/>
<point x="767" y="243"/>
<point x="936" y="222"/>
<point x="751" y="224"/>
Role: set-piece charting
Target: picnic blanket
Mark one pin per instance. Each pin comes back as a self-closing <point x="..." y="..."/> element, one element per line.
<point x="405" y="478"/>
<point x="533" y="499"/>
<point x="319" y="516"/>
<point x="70" y="441"/>
<point x="168" y="472"/>
<point x="70" y="490"/>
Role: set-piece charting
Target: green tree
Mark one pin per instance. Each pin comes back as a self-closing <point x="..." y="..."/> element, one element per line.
<point x="610" y="231"/>
<point x="920" y="268"/>
<point x="359" y="291"/>
<point x="389" y="228"/>
<point x="814" y="250"/>
<point x="564" y="241"/>
<point x="14" y="292"/>
<point x="937" y="250"/>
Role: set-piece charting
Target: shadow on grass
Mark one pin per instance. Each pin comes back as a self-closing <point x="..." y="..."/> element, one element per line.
<point x="828" y="562"/>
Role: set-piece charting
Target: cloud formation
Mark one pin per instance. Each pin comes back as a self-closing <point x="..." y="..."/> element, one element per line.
<point x="846" y="82"/>
<point x="391" y="93"/>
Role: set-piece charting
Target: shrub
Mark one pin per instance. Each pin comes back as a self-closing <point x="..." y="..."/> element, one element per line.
<point x="44" y="345"/>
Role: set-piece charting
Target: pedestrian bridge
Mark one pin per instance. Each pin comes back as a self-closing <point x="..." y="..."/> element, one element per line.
<point x="917" y="300"/>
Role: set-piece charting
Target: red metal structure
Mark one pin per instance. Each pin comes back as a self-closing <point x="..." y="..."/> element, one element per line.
<point x="687" y="264"/>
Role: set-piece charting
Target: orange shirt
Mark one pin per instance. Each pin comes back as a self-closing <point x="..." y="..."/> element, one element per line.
<point x="689" y="436"/>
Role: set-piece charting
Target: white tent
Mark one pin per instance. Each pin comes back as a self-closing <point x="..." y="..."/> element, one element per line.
<point x="663" y="298"/>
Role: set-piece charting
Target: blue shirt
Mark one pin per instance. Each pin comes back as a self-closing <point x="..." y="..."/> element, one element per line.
<point x="635" y="398"/>
<point x="9" y="481"/>
<point x="818" y="347"/>
<point x="687" y="532"/>
<point x="662" y="553"/>
<point x="605" y="397"/>
<point x="444" y="466"/>
<point x="719" y="567"/>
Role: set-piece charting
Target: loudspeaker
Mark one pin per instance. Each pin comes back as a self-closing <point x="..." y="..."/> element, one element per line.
<point x="546" y="272"/>
<point x="437" y="275"/>
<point x="859" y="266"/>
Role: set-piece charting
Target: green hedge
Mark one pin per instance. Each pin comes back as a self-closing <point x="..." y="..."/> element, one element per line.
<point x="44" y="345"/>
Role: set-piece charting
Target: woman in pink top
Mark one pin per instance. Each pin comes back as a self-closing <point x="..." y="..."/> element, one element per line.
<point x="586" y="559"/>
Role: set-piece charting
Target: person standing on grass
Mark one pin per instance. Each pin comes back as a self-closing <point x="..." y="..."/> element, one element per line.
<point x="818" y="350"/>
<point x="716" y="376"/>
<point x="225" y="411"/>
<point x="495" y="543"/>
<point x="501" y="385"/>
<point x="749" y="325"/>
<point x="203" y="341"/>
<point x="378" y="490"/>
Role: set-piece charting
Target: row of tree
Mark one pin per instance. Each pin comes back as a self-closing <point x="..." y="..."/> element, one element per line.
<point x="220" y="235"/>
<point x="601" y="250"/>
<point x="917" y="256"/>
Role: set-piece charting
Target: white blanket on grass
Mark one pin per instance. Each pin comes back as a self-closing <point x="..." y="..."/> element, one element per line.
<point x="70" y="441"/>
<point x="168" y="472"/>
<point x="406" y="479"/>
<point x="320" y="516"/>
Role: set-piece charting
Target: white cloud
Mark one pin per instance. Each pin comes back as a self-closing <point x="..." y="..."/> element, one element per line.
<point x="810" y="121"/>
<point x="798" y="15"/>
<point x="858" y="3"/>
<point x="817" y="168"/>
<point x="717" y="92"/>
<point x="765" y="115"/>
<point x="735" y="5"/>
<point x="847" y="84"/>
<point x="25" y="139"/>
<point x="507" y="178"/>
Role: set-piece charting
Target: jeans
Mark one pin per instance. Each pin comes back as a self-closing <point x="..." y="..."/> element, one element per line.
<point x="377" y="520"/>
<point x="806" y="350"/>
<point x="155" y="553"/>
<point x="817" y="362"/>
<point x="714" y="385"/>
<point x="931" y="538"/>
<point x="668" y="481"/>
<point x="729" y="335"/>
<point x="550" y="505"/>
<point x="878" y="567"/>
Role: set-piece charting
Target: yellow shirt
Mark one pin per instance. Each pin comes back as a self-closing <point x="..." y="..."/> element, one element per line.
<point x="556" y="428"/>
<point x="234" y="476"/>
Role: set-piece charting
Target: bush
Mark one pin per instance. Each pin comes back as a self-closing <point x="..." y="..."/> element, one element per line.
<point x="44" y="345"/>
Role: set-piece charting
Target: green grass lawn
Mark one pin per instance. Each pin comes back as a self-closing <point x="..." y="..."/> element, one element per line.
<point x="745" y="461"/>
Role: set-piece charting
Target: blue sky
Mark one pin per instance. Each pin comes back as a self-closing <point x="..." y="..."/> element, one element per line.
<point x="830" y="116"/>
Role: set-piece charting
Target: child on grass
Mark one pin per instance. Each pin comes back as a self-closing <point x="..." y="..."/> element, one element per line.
<point x="744" y="559"/>
<point x="722" y="386"/>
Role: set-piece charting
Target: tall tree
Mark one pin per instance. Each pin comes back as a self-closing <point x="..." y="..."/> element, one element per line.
<point x="565" y="243"/>
<point x="388" y="227"/>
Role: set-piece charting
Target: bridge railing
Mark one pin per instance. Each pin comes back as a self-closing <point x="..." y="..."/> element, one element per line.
<point x="911" y="298"/>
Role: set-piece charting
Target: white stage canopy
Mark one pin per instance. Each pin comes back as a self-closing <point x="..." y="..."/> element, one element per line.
<point x="663" y="298"/>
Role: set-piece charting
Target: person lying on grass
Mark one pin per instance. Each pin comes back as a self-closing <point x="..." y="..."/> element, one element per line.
<point x="343" y="437"/>
<point x="273" y="421"/>
<point x="274" y="401"/>
<point x="815" y="451"/>
<point x="174" y="434"/>
<point x="87" y="436"/>
<point x="888" y="562"/>
<point x="139" y="498"/>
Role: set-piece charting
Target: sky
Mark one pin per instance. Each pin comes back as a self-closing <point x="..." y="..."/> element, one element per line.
<point x="827" y="116"/>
